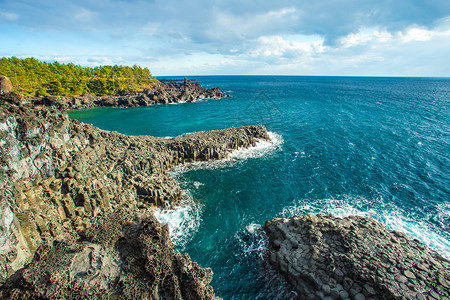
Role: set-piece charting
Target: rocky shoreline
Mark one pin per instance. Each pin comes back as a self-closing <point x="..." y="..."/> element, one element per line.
<point x="77" y="202"/>
<point x="325" y="257"/>
<point x="77" y="220"/>
<point x="164" y="92"/>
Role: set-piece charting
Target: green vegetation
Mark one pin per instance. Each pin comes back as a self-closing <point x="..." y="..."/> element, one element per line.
<point x="32" y="77"/>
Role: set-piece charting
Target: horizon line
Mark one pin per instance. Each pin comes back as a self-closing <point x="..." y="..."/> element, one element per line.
<point x="284" y="75"/>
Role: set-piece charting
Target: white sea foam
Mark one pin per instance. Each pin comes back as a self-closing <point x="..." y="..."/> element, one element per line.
<point x="197" y="184"/>
<point x="388" y="213"/>
<point x="252" y="240"/>
<point x="261" y="149"/>
<point x="251" y="228"/>
<point x="183" y="221"/>
<point x="418" y="229"/>
<point x="340" y="207"/>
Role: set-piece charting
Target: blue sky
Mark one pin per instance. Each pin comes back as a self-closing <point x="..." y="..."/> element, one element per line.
<point x="200" y="37"/>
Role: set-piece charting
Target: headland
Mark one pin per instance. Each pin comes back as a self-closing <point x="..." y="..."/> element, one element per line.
<point x="163" y="92"/>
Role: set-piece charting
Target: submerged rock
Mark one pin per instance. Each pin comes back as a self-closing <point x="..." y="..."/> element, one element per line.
<point x="354" y="258"/>
<point x="58" y="177"/>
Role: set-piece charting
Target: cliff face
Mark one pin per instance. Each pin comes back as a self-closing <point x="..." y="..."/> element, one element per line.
<point x="354" y="257"/>
<point x="60" y="178"/>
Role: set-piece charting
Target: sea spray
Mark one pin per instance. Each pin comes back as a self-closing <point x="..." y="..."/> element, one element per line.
<point x="262" y="148"/>
<point x="183" y="220"/>
<point x="252" y="240"/>
<point x="382" y="210"/>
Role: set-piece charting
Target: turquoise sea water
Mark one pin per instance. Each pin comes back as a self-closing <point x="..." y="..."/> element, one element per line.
<point x="341" y="145"/>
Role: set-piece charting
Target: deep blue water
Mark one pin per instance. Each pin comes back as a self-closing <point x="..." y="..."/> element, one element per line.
<point x="373" y="146"/>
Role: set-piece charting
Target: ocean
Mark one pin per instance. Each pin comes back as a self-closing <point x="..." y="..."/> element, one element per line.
<point x="340" y="145"/>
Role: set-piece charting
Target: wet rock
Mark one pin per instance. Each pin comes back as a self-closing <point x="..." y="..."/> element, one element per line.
<point x="354" y="257"/>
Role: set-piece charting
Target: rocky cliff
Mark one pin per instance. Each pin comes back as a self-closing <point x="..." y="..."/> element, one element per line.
<point x="354" y="258"/>
<point x="63" y="182"/>
<point x="164" y="92"/>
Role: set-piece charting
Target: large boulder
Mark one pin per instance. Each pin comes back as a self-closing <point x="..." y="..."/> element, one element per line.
<point x="5" y="85"/>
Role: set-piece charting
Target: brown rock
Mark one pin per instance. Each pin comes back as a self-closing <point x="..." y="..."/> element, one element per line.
<point x="5" y="85"/>
<point x="121" y="255"/>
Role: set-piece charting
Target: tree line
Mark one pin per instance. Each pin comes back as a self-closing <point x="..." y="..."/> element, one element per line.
<point x="32" y="77"/>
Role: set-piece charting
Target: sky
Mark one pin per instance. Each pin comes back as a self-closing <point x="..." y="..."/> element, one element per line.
<point x="235" y="37"/>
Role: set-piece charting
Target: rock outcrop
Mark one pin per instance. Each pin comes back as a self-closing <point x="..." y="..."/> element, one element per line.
<point x="121" y="256"/>
<point x="59" y="177"/>
<point x="162" y="93"/>
<point x="325" y="257"/>
<point x="5" y="85"/>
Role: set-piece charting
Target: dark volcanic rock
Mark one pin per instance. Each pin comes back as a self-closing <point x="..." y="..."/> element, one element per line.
<point x="162" y="93"/>
<point x="58" y="177"/>
<point x="354" y="258"/>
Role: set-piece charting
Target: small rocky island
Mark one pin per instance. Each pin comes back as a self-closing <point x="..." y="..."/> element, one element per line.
<point x="325" y="257"/>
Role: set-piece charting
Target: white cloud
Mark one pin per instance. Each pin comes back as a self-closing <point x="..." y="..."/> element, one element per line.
<point x="53" y="58"/>
<point x="277" y="46"/>
<point x="353" y="37"/>
<point x="417" y="34"/>
<point x="85" y="15"/>
<point x="98" y="59"/>
<point x="366" y="37"/>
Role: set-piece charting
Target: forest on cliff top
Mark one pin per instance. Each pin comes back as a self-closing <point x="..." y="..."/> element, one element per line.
<point x="32" y="77"/>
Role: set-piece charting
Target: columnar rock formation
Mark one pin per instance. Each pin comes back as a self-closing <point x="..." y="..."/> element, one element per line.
<point x="60" y="179"/>
<point x="355" y="257"/>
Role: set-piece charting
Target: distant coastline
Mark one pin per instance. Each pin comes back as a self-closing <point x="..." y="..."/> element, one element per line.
<point x="164" y="92"/>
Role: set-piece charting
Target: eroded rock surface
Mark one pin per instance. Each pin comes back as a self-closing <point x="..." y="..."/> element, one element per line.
<point x="121" y="255"/>
<point x="58" y="176"/>
<point x="325" y="257"/>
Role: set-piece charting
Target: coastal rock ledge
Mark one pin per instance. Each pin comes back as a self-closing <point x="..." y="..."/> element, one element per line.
<point x="326" y="257"/>
<point x="77" y="203"/>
